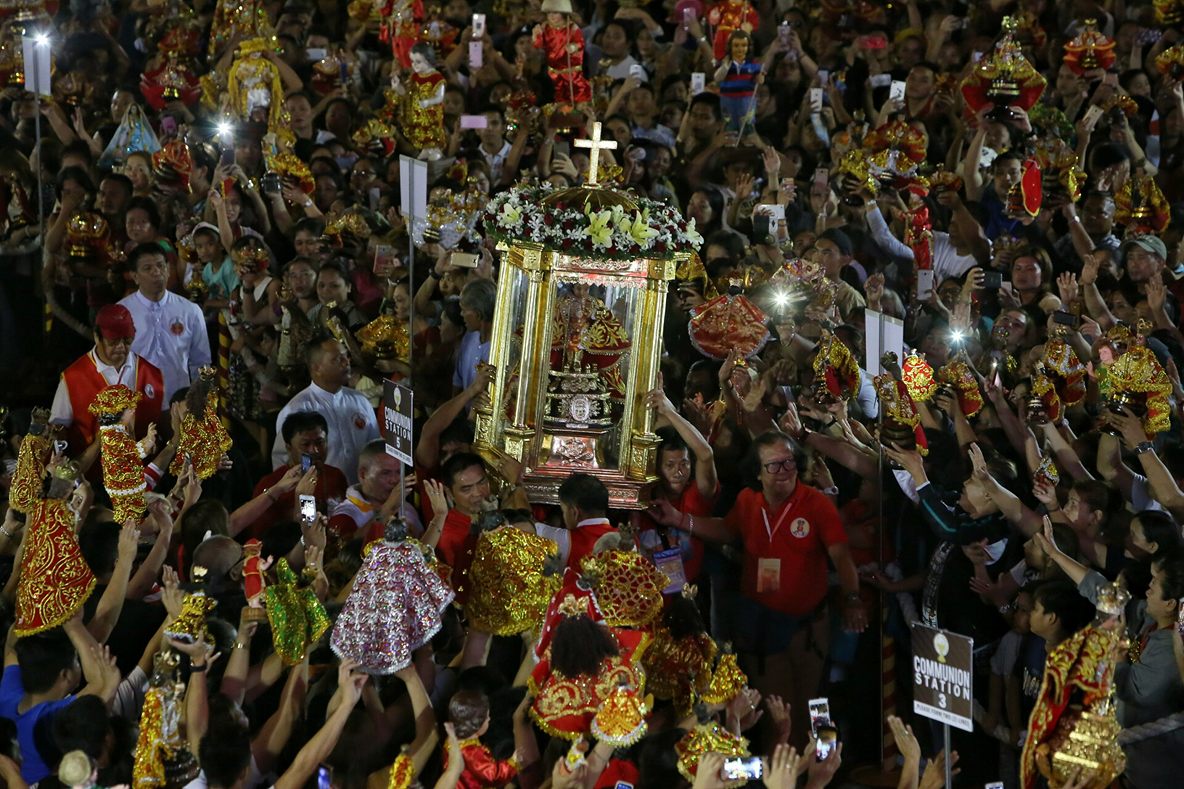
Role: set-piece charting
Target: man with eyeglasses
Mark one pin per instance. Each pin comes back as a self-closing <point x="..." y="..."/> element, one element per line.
<point x="110" y="362"/>
<point x="790" y="533"/>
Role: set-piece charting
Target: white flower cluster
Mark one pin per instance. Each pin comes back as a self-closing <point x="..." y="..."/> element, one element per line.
<point x="653" y="230"/>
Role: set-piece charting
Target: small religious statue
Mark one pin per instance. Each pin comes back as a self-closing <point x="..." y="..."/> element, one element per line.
<point x="162" y="758"/>
<point x="400" y="26"/>
<point x="421" y="104"/>
<point x="737" y="77"/>
<point x="254" y="566"/>
<point x="587" y="333"/>
<point x="563" y="42"/>
<point x="204" y="441"/>
<point x="727" y="17"/>
<point x="254" y="87"/>
<point x="239" y="20"/>
<point x="121" y="455"/>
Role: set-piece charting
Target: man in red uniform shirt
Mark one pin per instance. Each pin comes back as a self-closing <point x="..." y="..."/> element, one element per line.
<point x="789" y="530"/>
<point x="305" y="433"/>
<point x="468" y="486"/>
<point x="583" y="500"/>
<point x="678" y="554"/>
<point x="110" y="362"/>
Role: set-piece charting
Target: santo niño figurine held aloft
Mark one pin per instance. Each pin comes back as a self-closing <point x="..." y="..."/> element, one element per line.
<point x="563" y="42"/>
<point x="421" y="102"/>
<point x="737" y="77"/>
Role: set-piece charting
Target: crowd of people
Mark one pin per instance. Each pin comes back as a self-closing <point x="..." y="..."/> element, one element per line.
<point x="205" y="217"/>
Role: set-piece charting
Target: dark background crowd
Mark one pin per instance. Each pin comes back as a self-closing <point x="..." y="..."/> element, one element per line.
<point x="183" y="231"/>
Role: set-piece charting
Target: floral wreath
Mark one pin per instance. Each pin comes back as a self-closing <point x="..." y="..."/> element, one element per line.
<point x="652" y="229"/>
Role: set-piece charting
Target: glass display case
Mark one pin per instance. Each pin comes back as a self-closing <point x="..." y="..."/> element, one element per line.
<point x="577" y="339"/>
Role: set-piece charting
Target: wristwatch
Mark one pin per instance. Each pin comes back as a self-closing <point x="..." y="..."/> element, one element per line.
<point x="1144" y="446"/>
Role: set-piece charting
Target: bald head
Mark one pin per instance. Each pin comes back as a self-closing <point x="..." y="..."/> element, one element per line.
<point x="219" y="555"/>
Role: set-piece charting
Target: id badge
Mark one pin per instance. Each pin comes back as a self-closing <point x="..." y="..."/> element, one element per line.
<point x="670" y="562"/>
<point x="768" y="576"/>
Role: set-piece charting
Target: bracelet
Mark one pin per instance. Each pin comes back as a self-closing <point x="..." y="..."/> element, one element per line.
<point x="240" y="644"/>
<point x="7" y="533"/>
<point x="267" y="493"/>
<point x="196" y="669"/>
<point x="1143" y="447"/>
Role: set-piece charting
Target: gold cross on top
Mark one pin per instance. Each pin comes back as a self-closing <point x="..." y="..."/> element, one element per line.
<point x="597" y="145"/>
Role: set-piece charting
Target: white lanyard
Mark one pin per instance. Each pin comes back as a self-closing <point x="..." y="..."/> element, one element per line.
<point x="773" y="530"/>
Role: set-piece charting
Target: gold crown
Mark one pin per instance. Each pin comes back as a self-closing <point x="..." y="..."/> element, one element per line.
<point x="1112" y="599"/>
<point x="67" y="470"/>
<point x="572" y="606"/>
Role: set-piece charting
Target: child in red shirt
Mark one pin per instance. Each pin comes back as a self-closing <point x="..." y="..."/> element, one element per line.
<point x="469" y="713"/>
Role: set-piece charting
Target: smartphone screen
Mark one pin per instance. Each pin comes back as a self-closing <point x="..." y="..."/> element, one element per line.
<point x="815" y="99"/>
<point x="743" y="768"/>
<point x="305" y="463"/>
<point x="896" y="90"/>
<point x="828" y="739"/>
<point x="308" y="508"/>
<point x="819" y="714"/>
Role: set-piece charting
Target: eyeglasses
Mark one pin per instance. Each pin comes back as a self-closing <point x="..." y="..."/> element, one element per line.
<point x="787" y="464"/>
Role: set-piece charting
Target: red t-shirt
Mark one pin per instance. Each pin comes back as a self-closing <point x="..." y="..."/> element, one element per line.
<point x="331" y="484"/>
<point x="792" y="544"/>
<point x="583" y="540"/>
<point x="690" y="502"/>
<point x="455" y="548"/>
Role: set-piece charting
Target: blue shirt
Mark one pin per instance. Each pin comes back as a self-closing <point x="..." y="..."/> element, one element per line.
<point x="222" y="282"/>
<point x="12" y="690"/>
<point x="472" y="352"/>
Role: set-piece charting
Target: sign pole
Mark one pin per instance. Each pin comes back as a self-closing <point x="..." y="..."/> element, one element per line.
<point x="945" y="735"/>
<point x="413" y="193"/>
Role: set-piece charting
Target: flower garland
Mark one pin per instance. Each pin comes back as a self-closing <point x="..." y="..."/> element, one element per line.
<point x="653" y="230"/>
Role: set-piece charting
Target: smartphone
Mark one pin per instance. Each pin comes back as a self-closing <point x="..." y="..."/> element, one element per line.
<point x="324" y="777"/>
<point x="774" y="210"/>
<point x="821" y="177"/>
<point x="384" y="260"/>
<point x="1066" y="319"/>
<point x="827" y="740"/>
<point x="698" y="82"/>
<point x="562" y="147"/>
<point x="637" y="71"/>
<point x="763" y="229"/>
<point x="819" y="714"/>
<point x="476" y="54"/>
<point x="478" y="25"/>
<point x="992" y="280"/>
<point x="464" y="259"/>
<point x="308" y="508"/>
<point x="783" y="31"/>
<point x="474" y="122"/>
<point x="815" y="99"/>
<point x="993" y="785"/>
<point x="373" y="195"/>
<point x="688" y="16"/>
<point x="305" y="463"/>
<point x="743" y="768"/>
<point x="271" y="183"/>
<point x="1092" y="113"/>
<point x="924" y="284"/>
<point x="168" y="125"/>
<point x="823" y="76"/>
<point x="896" y="90"/>
<point x="315" y="54"/>
<point x="227" y="157"/>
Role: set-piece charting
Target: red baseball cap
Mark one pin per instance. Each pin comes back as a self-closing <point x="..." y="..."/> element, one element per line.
<point x="114" y="322"/>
